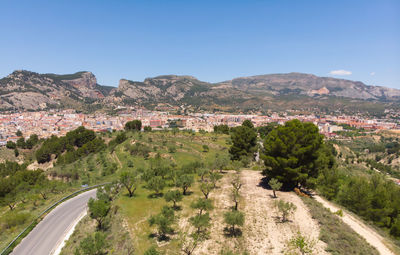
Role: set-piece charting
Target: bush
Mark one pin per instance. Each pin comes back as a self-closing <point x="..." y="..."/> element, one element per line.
<point x="12" y="219"/>
<point x="301" y="244"/>
<point x="339" y="213"/>
<point x="93" y="245"/>
<point x="285" y="208"/>
<point x="134" y="125"/>
<point x="11" y="145"/>
<point x="138" y="149"/>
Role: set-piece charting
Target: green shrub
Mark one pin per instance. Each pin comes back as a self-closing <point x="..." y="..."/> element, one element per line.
<point x="13" y="219"/>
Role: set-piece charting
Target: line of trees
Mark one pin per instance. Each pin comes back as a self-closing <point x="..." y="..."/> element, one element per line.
<point x="81" y="138"/>
<point x="374" y="199"/>
<point x="24" y="186"/>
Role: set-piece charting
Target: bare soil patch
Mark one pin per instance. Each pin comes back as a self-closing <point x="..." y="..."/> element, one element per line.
<point x="263" y="233"/>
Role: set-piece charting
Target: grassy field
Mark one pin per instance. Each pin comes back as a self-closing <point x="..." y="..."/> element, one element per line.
<point x="136" y="210"/>
<point x="176" y="149"/>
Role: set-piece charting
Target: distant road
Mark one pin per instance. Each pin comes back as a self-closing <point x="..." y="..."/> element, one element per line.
<point x="51" y="231"/>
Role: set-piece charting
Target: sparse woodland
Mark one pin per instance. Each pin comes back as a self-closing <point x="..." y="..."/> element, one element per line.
<point x="181" y="192"/>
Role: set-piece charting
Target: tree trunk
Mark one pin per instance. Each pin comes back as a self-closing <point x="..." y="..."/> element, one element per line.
<point x="43" y="196"/>
<point x="99" y="224"/>
<point x="274" y="193"/>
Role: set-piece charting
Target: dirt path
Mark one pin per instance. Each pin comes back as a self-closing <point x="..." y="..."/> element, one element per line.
<point x="222" y="204"/>
<point x="373" y="238"/>
<point x="263" y="233"/>
<point x="117" y="159"/>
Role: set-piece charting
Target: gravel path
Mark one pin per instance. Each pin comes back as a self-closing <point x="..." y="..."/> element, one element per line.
<point x="359" y="227"/>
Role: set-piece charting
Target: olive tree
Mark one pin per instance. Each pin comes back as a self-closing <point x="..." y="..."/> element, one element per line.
<point x="185" y="181"/>
<point x="130" y="180"/>
<point x="163" y="221"/>
<point x="206" y="188"/>
<point x="202" y="205"/>
<point x="156" y="184"/>
<point x="98" y="210"/>
<point x="200" y="222"/>
<point x="233" y="219"/>
<point x="173" y="196"/>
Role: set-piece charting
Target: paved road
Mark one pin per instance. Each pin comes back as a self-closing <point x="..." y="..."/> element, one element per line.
<point x="50" y="232"/>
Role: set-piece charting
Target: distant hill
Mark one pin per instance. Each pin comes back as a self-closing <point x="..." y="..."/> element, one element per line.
<point x="24" y="90"/>
<point x="308" y="84"/>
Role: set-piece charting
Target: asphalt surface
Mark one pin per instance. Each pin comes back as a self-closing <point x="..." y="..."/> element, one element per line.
<point x="50" y="232"/>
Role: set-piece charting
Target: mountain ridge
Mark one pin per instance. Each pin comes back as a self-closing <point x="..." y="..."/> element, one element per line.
<point x="25" y="90"/>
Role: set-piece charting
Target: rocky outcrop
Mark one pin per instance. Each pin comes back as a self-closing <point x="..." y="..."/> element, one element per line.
<point x="162" y="88"/>
<point x="25" y="90"/>
<point x="86" y="84"/>
<point x="321" y="91"/>
<point x="86" y="80"/>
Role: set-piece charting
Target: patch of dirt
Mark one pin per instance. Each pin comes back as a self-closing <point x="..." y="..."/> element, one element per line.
<point x="263" y="232"/>
<point x="45" y="166"/>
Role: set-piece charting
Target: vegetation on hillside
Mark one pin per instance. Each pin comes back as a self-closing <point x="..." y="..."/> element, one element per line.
<point x="165" y="184"/>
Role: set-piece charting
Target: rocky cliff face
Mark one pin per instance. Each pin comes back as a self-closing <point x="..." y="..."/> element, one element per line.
<point x="85" y="82"/>
<point x="164" y="88"/>
<point x="25" y="90"/>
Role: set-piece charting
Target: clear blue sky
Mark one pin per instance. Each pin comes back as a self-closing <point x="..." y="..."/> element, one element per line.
<point x="211" y="40"/>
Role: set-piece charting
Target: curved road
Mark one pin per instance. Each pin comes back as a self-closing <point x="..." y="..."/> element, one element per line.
<point x="50" y="232"/>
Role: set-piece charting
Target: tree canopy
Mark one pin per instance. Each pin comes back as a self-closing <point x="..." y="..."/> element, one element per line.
<point x="221" y="129"/>
<point x="295" y="153"/>
<point x="244" y="141"/>
<point x="134" y="125"/>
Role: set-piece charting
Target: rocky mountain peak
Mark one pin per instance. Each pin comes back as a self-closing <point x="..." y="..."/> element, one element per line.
<point x="83" y="79"/>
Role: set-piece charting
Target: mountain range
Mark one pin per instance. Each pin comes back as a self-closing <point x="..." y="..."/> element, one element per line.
<point x="24" y="90"/>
